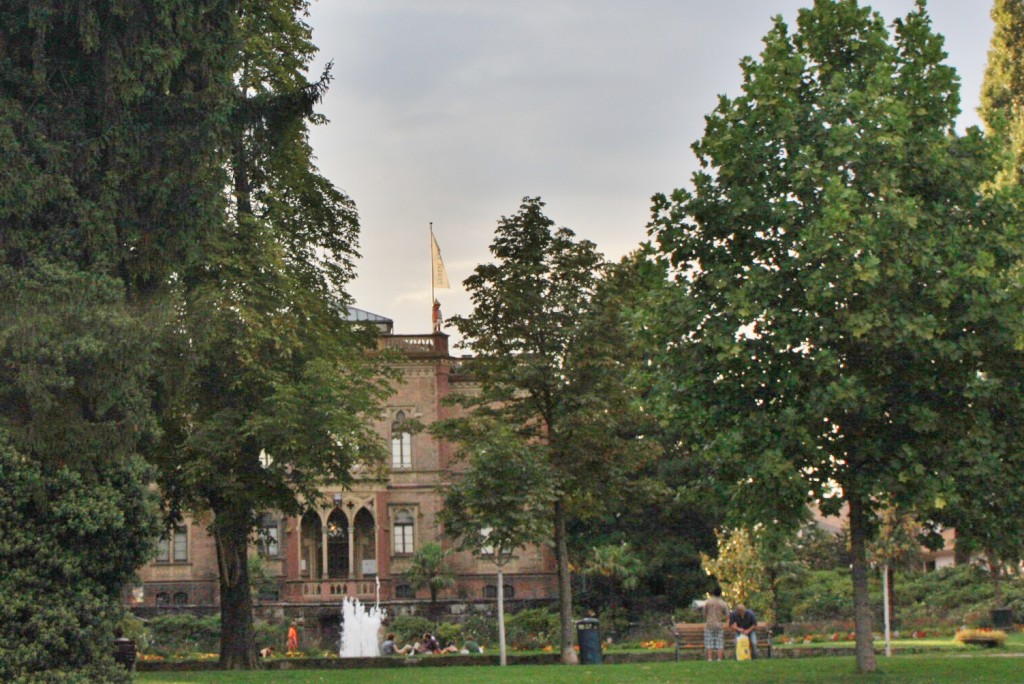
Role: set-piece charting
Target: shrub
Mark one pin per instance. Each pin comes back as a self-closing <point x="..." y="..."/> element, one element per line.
<point x="409" y="629"/>
<point x="69" y="548"/>
<point x="653" y="626"/>
<point x="183" y="633"/>
<point x="981" y="637"/>
<point x="271" y="634"/>
<point x="482" y="629"/>
<point x="614" y="622"/>
<point x="821" y="595"/>
<point x="449" y="633"/>
<point x="532" y="629"/>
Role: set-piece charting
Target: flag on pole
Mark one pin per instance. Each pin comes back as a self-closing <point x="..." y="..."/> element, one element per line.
<point x="440" y="276"/>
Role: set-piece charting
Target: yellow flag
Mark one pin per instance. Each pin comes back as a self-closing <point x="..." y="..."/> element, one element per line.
<point x="437" y="266"/>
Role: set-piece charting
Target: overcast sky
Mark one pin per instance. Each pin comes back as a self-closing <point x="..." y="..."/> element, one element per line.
<point x="451" y="111"/>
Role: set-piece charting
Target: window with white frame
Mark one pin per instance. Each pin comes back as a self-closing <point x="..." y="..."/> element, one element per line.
<point x="402" y="535"/>
<point x="173" y="546"/>
<point x="401" y="443"/>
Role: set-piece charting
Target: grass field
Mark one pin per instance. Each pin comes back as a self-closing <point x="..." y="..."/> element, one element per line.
<point x="978" y="666"/>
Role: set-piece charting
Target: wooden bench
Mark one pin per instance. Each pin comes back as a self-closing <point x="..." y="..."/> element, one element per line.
<point x="690" y="635"/>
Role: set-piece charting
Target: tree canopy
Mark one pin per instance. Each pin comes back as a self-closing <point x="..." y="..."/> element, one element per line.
<point x="833" y="269"/>
<point x="991" y="449"/>
<point x="105" y="186"/>
<point x="1002" y="93"/>
<point x="269" y="390"/>
<point x="548" y="363"/>
<point x="500" y="503"/>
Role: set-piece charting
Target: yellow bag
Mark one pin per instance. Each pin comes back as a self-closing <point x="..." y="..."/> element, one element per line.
<point x="742" y="647"/>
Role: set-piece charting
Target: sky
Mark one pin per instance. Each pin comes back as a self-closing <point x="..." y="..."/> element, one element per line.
<point x="450" y="112"/>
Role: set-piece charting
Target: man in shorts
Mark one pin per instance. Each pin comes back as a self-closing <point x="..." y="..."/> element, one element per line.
<point x="716" y="612"/>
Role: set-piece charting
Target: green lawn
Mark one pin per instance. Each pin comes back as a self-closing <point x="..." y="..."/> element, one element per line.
<point x="976" y="666"/>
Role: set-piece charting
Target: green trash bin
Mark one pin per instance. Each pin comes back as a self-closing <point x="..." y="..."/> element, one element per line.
<point x="588" y="635"/>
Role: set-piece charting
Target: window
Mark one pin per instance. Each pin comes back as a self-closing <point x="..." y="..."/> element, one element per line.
<point x="404" y="591"/>
<point x="163" y="598"/>
<point x="270" y="537"/>
<point x="491" y="591"/>
<point x="487" y="549"/>
<point x="180" y="598"/>
<point x="401" y="443"/>
<point x="173" y="547"/>
<point x="403" y="532"/>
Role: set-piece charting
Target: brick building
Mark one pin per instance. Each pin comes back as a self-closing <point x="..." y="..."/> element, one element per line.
<point x="359" y="543"/>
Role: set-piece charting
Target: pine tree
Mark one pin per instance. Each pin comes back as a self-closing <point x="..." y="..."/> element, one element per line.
<point x="108" y="112"/>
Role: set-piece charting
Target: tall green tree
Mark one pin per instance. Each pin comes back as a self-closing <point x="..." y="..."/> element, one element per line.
<point x="500" y="503"/>
<point x="1002" y="93"/>
<point x="664" y="512"/>
<point x="992" y="450"/>
<point x="107" y="178"/>
<point x="547" y="361"/>
<point x="834" y="262"/>
<point x="270" y="390"/>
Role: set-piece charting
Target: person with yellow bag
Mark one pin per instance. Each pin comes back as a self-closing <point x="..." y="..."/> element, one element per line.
<point x="743" y="622"/>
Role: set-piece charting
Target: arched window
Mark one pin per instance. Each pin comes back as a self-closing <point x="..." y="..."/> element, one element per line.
<point x="180" y="598"/>
<point x="401" y="443"/>
<point x="402" y="535"/>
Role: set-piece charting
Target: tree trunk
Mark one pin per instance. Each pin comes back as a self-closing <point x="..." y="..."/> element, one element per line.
<point x="569" y="656"/>
<point x="773" y="584"/>
<point x="996" y="575"/>
<point x="861" y="602"/>
<point x="502" y="656"/>
<point x="237" y="640"/>
<point x="890" y="576"/>
<point x="961" y="549"/>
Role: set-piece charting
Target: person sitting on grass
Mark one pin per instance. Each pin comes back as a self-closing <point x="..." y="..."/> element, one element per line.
<point x="389" y="648"/>
<point x="428" y="645"/>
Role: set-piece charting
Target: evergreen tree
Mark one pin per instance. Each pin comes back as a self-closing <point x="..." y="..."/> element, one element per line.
<point x="107" y="175"/>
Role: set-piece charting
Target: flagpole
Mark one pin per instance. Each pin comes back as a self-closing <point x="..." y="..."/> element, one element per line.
<point x="431" y="247"/>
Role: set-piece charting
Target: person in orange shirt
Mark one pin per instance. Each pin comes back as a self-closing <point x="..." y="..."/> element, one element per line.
<point x="293" y="639"/>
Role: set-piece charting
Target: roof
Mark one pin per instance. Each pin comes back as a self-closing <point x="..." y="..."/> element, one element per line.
<point x="385" y="324"/>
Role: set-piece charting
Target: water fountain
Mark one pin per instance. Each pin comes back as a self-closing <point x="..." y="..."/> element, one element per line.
<point x="360" y="629"/>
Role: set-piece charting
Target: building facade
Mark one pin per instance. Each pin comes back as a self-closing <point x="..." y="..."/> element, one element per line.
<point x="360" y="542"/>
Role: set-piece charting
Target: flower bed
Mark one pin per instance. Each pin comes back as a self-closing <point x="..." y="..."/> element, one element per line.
<point x="988" y="638"/>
